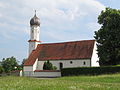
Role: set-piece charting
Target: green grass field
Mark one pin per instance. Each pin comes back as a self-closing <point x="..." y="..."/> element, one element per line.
<point x="102" y="82"/>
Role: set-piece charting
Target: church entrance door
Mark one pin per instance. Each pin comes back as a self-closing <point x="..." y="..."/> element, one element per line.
<point x="61" y="66"/>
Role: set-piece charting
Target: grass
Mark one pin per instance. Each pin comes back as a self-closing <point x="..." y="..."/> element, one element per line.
<point x="102" y="82"/>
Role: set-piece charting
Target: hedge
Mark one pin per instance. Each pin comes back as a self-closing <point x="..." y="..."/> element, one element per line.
<point x="90" y="70"/>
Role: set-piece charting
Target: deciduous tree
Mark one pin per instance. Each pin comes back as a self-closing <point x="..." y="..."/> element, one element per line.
<point x="108" y="37"/>
<point x="9" y="64"/>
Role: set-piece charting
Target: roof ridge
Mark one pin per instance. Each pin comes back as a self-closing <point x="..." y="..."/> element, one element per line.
<point x="66" y="42"/>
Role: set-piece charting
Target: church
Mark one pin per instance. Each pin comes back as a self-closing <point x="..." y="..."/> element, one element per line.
<point x="62" y="55"/>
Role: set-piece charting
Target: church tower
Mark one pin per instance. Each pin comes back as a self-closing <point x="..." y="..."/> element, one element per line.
<point x="34" y="33"/>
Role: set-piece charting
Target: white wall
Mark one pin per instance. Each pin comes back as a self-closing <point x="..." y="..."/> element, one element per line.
<point x="42" y="74"/>
<point x="95" y="59"/>
<point x="32" y="46"/>
<point x="34" y="35"/>
<point x="47" y="74"/>
<point x="40" y="65"/>
<point x="28" y="68"/>
<point x="35" y="65"/>
<point x="28" y="73"/>
<point x="31" y="68"/>
<point x="34" y="32"/>
<point x="66" y="63"/>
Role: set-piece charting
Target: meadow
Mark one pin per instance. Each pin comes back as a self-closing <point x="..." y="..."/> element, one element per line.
<point x="101" y="82"/>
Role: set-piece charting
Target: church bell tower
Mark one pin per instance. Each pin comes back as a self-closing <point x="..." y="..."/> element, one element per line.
<point x="34" y="33"/>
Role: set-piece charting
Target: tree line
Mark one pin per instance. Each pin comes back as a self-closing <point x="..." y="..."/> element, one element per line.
<point x="10" y="64"/>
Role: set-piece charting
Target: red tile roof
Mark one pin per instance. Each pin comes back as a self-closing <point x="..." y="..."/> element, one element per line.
<point x="62" y="51"/>
<point x="32" y="57"/>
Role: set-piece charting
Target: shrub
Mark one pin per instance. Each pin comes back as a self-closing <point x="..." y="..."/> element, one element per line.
<point x="54" y="67"/>
<point x="48" y="66"/>
<point x="89" y="70"/>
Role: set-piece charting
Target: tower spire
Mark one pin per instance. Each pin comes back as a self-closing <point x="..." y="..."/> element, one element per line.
<point x="35" y="20"/>
<point x="34" y="33"/>
<point x="35" y="12"/>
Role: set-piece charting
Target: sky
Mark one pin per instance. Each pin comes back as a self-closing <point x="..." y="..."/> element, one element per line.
<point x="61" y="21"/>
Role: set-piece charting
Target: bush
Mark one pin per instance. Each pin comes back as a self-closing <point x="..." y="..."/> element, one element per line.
<point x="48" y="66"/>
<point x="54" y="68"/>
<point x="89" y="70"/>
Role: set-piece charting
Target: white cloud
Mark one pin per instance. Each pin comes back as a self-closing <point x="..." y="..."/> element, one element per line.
<point x="66" y="15"/>
<point x="55" y="15"/>
<point x="0" y="15"/>
<point x="61" y="20"/>
<point x="3" y="5"/>
<point x="93" y="26"/>
<point x="69" y="8"/>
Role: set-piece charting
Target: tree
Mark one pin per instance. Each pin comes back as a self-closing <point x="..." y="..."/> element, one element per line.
<point x="108" y="37"/>
<point x="0" y="63"/>
<point x="1" y="69"/>
<point x="23" y="62"/>
<point x="9" y="64"/>
<point x="48" y="66"/>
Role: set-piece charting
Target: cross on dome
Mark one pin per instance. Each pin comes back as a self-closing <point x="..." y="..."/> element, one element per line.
<point x="35" y="12"/>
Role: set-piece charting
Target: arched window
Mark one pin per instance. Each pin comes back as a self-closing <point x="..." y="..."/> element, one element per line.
<point x="84" y="63"/>
<point x="61" y="65"/>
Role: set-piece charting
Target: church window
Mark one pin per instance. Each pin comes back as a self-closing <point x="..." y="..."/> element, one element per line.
<point x="61" y="65"/>
<point x="71" y="62"/>
<point x="84" y="63"/>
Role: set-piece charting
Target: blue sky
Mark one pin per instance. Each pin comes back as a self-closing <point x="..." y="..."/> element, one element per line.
<point x="61" y="20"/>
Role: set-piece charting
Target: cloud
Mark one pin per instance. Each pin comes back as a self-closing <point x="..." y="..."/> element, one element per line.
<point x="61" y="20"/>
<point x="3" y="5"/>
<point x="66" y="16"/>
<point x="64" y="8"/>
<point x="54" y="14"/>
<point x="93" y="26"/>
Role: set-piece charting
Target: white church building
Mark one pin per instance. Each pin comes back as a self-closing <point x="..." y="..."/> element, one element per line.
<point x="62" y="55"/>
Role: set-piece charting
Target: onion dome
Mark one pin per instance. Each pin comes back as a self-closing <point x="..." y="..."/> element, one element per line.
<point x="35" y="20"/>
